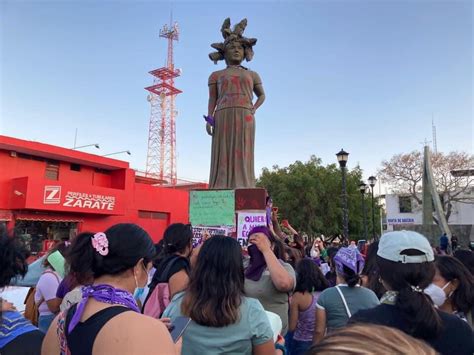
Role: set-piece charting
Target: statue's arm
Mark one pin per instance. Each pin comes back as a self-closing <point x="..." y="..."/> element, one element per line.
<point x="212" y="99"/>
<point x="260" y="93"/>
<point x="211" y="106"/>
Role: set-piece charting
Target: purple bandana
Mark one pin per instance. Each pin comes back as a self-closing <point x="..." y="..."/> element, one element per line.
<point x="209" y="119"/>
<point x="350" y="258"/>
<point x="105" y="294"/>
<point x="257" y="261"/>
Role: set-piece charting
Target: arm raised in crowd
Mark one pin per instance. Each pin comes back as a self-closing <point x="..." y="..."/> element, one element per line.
<point x="282" y="280"/>
<point x="276" y="227"/>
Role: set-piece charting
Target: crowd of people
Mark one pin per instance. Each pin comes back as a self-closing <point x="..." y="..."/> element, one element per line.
<point x="115" y="291"/>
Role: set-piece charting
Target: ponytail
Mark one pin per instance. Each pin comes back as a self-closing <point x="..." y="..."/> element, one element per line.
<point x="82" y="258"/>
<point x="417" y="309"/>
<point x="352" y="278"/>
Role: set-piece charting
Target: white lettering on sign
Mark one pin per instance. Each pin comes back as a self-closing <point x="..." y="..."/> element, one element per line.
<point x="89" y="201"/>
<point x="52" y="195"/>
<point x="400" y="220"/>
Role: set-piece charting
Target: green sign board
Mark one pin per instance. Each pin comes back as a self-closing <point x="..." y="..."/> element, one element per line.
<point x="212" y="208"/>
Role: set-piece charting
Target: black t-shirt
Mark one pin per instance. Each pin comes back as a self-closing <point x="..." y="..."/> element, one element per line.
<point x="179" y="263"/>
<point x="456" y="337"/>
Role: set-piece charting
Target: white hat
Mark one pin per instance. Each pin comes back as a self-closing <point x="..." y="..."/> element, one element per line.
<point x="393" y="243"/>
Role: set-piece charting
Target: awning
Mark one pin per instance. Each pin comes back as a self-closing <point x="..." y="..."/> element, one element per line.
<point x="5" y="215"/>
<point x="46" y="217"/>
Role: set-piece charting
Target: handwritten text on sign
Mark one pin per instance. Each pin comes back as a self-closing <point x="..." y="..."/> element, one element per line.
<point x="212" y="208"/>
<point x="246" y="221"/>
<point x="200" y="233"/>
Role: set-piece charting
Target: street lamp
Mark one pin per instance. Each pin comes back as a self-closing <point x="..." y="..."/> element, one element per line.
<point x="372" y="181"/>
<point x="123" y="151"/>
<point x="342" y="158"/>
<point x="363" y="189"/>
<point x="88" y="145"/>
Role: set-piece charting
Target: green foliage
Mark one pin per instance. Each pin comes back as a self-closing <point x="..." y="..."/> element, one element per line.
<point x="309" y="195"/>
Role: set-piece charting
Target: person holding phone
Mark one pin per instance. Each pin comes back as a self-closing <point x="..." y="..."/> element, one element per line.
<point x="224" y="320"/>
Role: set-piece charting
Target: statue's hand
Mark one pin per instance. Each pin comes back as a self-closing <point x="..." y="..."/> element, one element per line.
<point x="209" y="129"/>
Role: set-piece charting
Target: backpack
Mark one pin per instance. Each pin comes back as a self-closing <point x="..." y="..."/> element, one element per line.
<point x="31" y="307"/>
<point x="158" y="297"/>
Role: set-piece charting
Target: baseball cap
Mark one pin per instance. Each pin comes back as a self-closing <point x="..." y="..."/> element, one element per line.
<point x="392" y="244"/>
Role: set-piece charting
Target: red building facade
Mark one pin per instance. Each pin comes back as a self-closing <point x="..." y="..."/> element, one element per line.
<point x="50" y="192"/>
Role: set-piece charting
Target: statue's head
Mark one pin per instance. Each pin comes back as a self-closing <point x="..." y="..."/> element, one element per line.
<point x="235" y="47"/>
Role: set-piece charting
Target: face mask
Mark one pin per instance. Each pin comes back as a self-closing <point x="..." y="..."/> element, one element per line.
<point x="138" y="290"/>
<point x="253" y="251"/>
<point x="436" y="293"/>
<point x="314" y="253"/>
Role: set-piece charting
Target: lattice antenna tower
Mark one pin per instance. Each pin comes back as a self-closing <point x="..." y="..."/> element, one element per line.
<point x="161" y="156"/>
<point x="435" y="144"/>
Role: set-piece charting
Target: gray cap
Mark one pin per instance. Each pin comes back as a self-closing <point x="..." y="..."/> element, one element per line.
<point x="393" y="243"/>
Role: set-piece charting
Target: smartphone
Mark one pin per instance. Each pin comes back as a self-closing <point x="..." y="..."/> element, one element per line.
<point x="179" y="326"/>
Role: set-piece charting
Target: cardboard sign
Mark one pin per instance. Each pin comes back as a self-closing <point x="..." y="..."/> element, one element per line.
<point x="200" y="232"/>
<point x="246" y="221"/>
<point x="212" y="207"/>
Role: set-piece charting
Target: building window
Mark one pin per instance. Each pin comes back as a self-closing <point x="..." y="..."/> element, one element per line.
<point x="52" y="170"/>
<point x="102" y="171"/>
<point x="75" y="167"/>
<point x="404" y="203"/>
<point x="152" y="215"/>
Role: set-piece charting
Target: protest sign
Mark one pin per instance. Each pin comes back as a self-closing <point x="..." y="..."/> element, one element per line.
<point x="199" y="233"/>
<point x="246" y="221"/>
<point x="212" y="208"/>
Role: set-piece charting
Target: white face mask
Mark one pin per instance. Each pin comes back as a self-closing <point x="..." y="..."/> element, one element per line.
<point x="437" y="294"/>
<point x="314" y="253"/>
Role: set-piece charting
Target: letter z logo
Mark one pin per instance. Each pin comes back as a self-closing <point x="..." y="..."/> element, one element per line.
<point x="52" y="195"/>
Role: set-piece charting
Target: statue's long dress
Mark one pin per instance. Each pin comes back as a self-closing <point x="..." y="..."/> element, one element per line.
<point x="232" y="155"/>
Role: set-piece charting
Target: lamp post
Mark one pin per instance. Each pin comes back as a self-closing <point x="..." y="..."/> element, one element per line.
<point x="372" y="181"/>
<point x="363" y="190"/>
<point x="88" y="145"/>
<point x="123" y="151"/>
<point x="342" y="157"/>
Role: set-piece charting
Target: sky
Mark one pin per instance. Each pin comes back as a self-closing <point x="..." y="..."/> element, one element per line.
<point x="366" y="76"/>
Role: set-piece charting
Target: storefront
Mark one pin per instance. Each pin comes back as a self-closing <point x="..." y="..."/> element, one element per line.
<point x="50" y="193"/>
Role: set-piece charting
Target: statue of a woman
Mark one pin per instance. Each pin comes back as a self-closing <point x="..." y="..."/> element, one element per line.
<point x="230" y="117"/>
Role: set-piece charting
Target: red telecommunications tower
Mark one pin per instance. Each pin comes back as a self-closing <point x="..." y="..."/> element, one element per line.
<point x="161" y="157"/>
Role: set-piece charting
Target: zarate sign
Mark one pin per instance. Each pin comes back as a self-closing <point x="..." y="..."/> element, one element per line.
<point x="80" y="200"/>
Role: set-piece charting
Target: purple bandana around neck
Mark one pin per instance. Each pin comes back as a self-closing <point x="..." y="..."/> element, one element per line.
<point x="257" y="261"/>
<point x="105" y="294"/>
<point x="350" y="258"/>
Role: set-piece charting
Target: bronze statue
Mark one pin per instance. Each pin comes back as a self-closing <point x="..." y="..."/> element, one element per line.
<point x="230" y="116"/>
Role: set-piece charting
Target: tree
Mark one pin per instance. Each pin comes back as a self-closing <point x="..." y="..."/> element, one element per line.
<point x="309" y="195"/>
<point x="404" y="174"/>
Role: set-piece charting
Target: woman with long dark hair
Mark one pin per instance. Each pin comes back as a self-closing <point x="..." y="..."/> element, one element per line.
<point x="336" y="305"/>
<point x="17" y="334"/>
<point x="108" y="320"/>
<point x="224" y="320"/>
<point x="370" y="274"/>
<point x="406" y="265"/>
<point x="310" y="282"/>
<point x="268" y="277"/>
<point x="452" y="289"/>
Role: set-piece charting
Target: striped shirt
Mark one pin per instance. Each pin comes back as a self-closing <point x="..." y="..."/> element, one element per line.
<point x="13" y="324"/>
